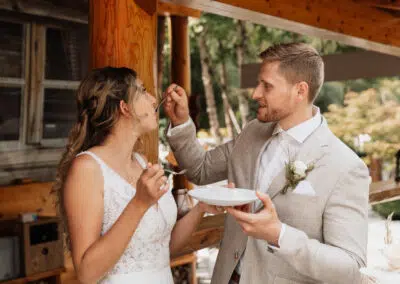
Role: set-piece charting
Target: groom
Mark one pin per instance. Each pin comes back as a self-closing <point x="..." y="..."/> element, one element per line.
<point x="310" y="225"/>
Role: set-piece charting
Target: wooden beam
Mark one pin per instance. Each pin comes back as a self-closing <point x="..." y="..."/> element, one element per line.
<point x="46" y="9"/>
<point x="346" y="22"/>
<point x="341" y="67"/>
<point x="122" y="33"/>
<point x="169" y="9"/>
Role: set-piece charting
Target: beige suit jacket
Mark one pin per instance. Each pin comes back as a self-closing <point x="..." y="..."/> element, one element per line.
<point x="326" y="234"/>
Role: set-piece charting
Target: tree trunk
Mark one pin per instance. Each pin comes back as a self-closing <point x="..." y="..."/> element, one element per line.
<point x="240" y="49"/>
<point x="224" y="92"/>
<point x="208" y="89"/>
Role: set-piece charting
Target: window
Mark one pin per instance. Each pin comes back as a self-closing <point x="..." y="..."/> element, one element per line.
<point x="12" y="81"/>
<point x="40" y="70"/>
<point x="59" y="113"/>
<point x="10" y="104"/>
<point x="65" y="64"/>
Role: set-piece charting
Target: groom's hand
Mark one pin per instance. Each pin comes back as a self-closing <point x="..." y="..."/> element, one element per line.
<point x="262" y="225"/>
<point x="176" y="106"/>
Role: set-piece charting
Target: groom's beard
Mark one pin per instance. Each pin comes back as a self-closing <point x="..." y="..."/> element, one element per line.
<point x="264" y="114"/>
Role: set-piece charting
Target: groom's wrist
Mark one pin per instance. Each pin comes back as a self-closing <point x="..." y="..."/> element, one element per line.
<point x="275" y="234"/>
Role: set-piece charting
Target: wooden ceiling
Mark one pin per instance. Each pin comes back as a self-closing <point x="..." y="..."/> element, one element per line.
<point x="369" y="24"/>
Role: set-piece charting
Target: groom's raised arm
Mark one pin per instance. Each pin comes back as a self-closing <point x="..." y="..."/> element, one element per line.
<point x="203" y="166"/>
<point x="345" y="231"/>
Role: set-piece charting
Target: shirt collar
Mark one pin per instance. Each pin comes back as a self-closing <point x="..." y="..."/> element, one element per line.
<point x="301" y="131"/>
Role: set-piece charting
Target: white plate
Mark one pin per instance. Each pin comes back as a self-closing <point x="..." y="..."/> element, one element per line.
<point x="222" y="196"/>
<point x="382" y="275"/>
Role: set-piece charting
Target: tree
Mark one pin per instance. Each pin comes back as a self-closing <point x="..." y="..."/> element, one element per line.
<point x="365" y="113"/>
<point x="208" y="88"/>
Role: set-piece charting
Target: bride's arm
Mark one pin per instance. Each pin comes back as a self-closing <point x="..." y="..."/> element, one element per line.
<point x="93" y="255"/>
<point x="185" y="227"/>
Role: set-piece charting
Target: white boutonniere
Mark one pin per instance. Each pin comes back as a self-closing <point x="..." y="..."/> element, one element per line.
<point x="296" y="172"/>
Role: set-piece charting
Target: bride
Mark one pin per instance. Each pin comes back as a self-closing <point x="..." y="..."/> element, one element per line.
<point x="120" y="219"/>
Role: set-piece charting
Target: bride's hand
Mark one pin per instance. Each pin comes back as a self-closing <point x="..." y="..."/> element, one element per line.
<point x="211" y="209"/>
<point x="151" y="186"/>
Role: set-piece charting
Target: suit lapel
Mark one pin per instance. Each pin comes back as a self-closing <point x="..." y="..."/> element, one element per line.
<point x="312" y="149"/>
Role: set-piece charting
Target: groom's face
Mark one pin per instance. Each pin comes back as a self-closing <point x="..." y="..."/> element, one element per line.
<point x="274" y="94"/>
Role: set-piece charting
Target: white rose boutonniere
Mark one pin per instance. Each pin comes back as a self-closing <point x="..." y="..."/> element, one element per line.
<point x="295" y="172"/>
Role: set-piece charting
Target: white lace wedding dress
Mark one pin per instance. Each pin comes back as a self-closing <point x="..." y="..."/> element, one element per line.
<point x="146" y="258"/>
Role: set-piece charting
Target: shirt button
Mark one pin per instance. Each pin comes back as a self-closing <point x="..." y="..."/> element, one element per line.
<point x="236" y="255"/>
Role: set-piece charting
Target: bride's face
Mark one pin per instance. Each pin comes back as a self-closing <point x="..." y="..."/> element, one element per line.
<point x="144" y="111"/>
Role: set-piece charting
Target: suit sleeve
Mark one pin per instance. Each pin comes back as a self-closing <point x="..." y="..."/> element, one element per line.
<point x="203" y="166"/>
<point x="345" y="233"/>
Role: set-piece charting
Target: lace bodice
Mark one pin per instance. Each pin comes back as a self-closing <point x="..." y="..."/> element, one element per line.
<point x="148" y="249"/>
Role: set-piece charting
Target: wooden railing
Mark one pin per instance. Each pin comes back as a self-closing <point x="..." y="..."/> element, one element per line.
<point x="384" y="191"/>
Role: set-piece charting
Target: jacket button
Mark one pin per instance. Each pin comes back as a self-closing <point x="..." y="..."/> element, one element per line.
<point x="236" y="255"/>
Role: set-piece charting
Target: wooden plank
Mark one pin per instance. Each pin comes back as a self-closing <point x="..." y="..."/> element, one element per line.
<point x="169" y="9"/>
<point x="346" y="22"/>
<point x="384" y="191"/>
<point x="34" y="197"/>
<point x="129" y="40"/>
<point x="36" y="277"/>
<point x="184" y="259"/>
<point x="340" y="67"/>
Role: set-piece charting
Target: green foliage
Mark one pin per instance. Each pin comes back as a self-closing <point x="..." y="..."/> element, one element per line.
<point x="385" y="209"/>
<point x="373" y="112"/>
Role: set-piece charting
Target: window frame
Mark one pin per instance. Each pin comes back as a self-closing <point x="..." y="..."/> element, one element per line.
<point x="23" y="82"/>
<point x="41" y="84"/>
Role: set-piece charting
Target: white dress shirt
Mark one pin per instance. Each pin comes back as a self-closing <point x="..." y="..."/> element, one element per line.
<point x="283" y="146"/>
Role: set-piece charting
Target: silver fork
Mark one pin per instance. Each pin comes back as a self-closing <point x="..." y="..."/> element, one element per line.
<point x="160" y="103"/>
<point x="143" y="165"/>
<point x="164" y="98"/>
<point x="176" y="173"/>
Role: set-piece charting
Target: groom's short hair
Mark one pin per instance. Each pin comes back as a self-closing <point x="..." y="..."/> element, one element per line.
<point x="298" y="62"/>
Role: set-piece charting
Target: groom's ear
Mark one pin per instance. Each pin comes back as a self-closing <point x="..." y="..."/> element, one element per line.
<point x="302" y="90"/>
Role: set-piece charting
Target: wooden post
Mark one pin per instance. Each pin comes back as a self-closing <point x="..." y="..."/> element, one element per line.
<point x="180" y="52"/>
<point x="180" y="68"/>
<point x="376" y="169"/>
<point x="123" y="33"/>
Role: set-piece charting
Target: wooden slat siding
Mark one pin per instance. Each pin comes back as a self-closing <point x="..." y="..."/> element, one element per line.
<point x="340" y="67"/>
<point x="290" y="8"/>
